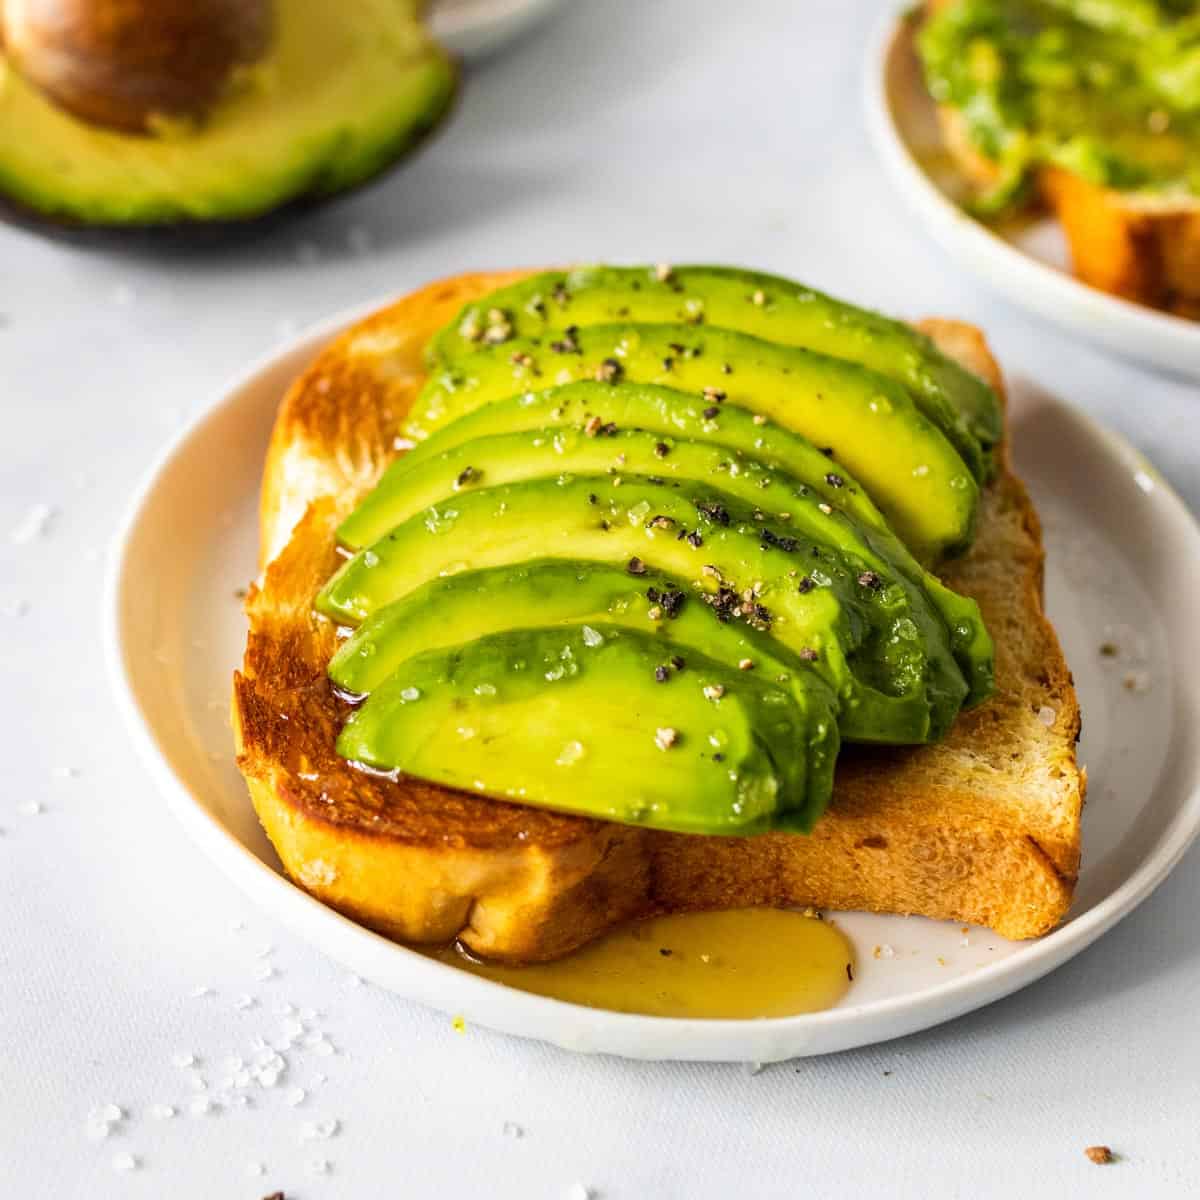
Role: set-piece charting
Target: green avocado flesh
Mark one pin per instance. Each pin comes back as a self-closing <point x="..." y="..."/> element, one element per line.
<point x="570" y="717"/>
<point x="654" y="571"/>
<point x="865" y="637"/>
<point x="457" y="609"/>
<point x="664" y="411"/>
<point x="1106" y="89"/>
<point x="775" y="496"/>
<point x="751" y="302"/>
<point x="341" y="93"/>
<point x="912" y="472"/>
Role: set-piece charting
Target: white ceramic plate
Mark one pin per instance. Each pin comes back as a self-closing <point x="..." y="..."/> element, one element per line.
<point x="1124" y="566"/>
<point x="475" y="28"/>
<point x="1029" y="264"/>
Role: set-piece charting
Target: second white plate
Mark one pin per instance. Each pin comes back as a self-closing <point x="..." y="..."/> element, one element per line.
<point x="1123" y="567"/>
<point x="1028" y="264"/>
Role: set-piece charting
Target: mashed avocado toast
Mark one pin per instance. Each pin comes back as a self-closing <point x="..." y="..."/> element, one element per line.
<point x="338" y="93"/>
<point x="657" y="609"/>
<point x="1090" y="108"/>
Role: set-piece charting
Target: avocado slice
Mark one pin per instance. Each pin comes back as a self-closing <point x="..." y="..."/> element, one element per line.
<point x="773" y="495"/>
<point x="665" y="411"/>
<point x="875" y="640"/>
<point x="961" y="404"/>
<point x="342" y="91"/>
<point x="912" y="472"/>
<point x="574" y="718"/>
<point x="548" y="592"/>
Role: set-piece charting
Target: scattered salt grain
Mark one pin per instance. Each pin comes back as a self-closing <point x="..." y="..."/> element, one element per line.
<point x="296" y="1097"/>
<point x="513" y="1130"/>
<point x="125" y="1162"/>
<point x="265" y="972"/>
<point x="65" y="772"/>
<point x="184" y="1060"/>
<point x="162" y="1112"/>
<point x="1047" y="716"/>
<point x="198" y="1083"/>
<point x="201" y="1106"/>
<point x="320" y="1131"/>
<point x="319" y="1166"/>
<point x="201" y="991"/>
<point x="256" y="1168"/>
<point x="237" y="925"/>
<point x="264" y="951"/>
<point x="580" y="1191"/>
<point x="35" y="524"/>
<point x="354" y="981"/>
<point x="243" y="1002"/>
<point x="31" y="808"/>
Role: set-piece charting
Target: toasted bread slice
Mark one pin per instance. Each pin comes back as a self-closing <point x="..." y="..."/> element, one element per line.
<point x="983" y="827"/>
<point x="1137" y="248"/>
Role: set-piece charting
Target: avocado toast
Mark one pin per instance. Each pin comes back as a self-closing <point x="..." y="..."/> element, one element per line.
<point x="1090" y="110"/>
<point x="982" y="825"/>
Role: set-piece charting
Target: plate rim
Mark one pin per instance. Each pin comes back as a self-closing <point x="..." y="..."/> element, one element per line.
<point x="1021" y="279"/>
<point x="567" y="1025"/>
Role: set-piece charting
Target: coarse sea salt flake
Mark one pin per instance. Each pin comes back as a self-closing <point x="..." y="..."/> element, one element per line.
<point x="1047" y="715"/>
<point x="33" y="525"/>
<point x="125" y="1161"/>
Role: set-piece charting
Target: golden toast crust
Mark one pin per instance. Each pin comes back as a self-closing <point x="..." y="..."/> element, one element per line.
<point x="983" y="827"/>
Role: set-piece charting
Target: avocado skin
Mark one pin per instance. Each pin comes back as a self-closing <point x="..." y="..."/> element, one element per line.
<point x="546" y="453"/>
<point x="32" y="203"/>
<point x="576" y="719"/>
<point x="889" y="692"/>
<point x="913" y="473"/>
<point x="752" y="302"/>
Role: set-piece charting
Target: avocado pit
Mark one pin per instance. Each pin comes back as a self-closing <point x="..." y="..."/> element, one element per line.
<point x="131" y="64"/>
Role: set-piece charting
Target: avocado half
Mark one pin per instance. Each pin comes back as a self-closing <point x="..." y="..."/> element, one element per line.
<point x="343" y="92"/>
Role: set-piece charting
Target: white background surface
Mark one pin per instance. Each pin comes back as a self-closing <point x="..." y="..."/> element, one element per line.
<point x="627" y="131"/>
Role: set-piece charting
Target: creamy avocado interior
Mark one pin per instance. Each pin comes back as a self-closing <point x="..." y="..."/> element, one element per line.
<point x="341" y="92"/>
<point x="1107" y="89"/>
<point x="663" y="546"/>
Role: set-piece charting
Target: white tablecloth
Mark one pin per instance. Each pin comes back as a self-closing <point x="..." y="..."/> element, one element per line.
<point x="627" y="131"/>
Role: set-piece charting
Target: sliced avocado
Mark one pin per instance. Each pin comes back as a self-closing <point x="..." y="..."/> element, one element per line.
<point x="342" y="91"/>
<point x="912" y="472"/>
<point x="771" y="494"/>
<point x="866" y="631"/>
<point x="544" y="592"/>
<point x="962" y="405"/>
<point x="660" y="410"/>
<point x="575" y="719"/>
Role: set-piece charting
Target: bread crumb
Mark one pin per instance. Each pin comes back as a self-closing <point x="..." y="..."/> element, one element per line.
<point x="1099" y="1154"/>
